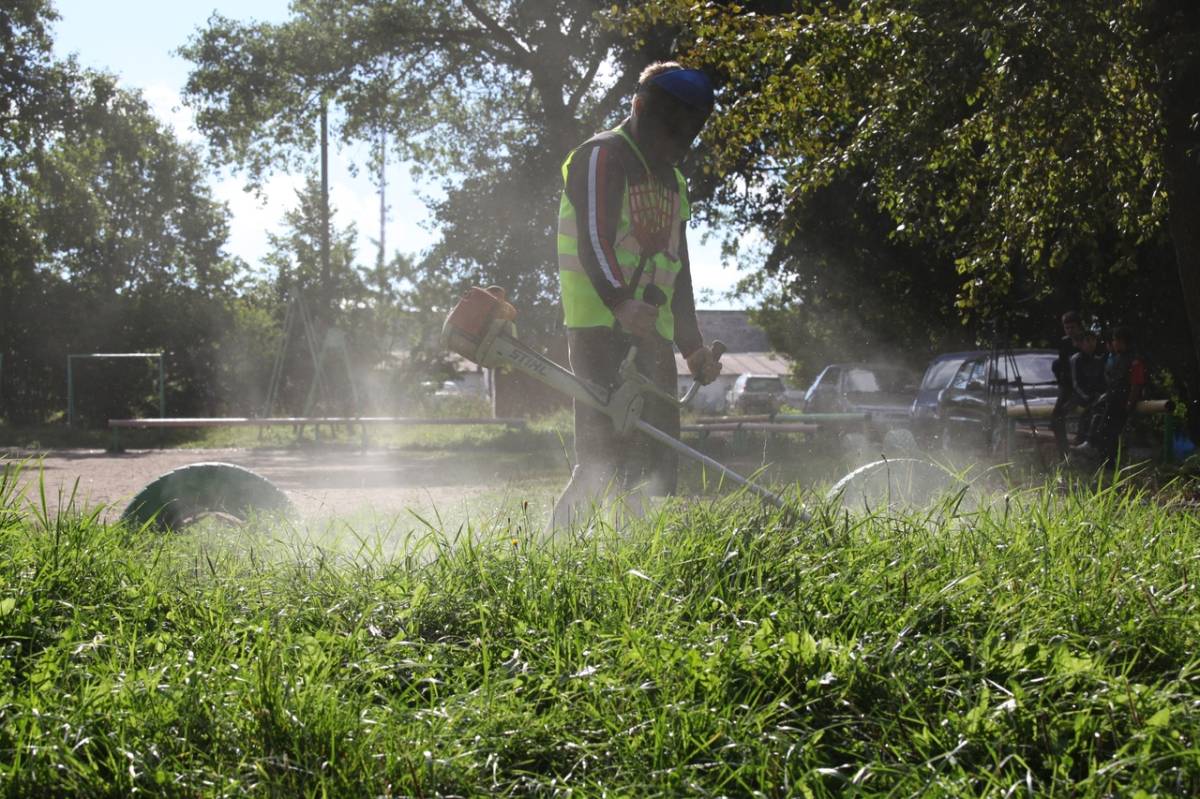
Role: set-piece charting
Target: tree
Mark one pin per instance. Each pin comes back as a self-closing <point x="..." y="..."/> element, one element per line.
<point x="1020" y="142"/>
<point x="27" y="72"/>
<point x="296" y="254"/>
<point x="842" y="288"/>
<point x="122" y="203"/>
<point x="112" y="239"/>
<point x="25" y="91"/>
<point x="485" y="96"/>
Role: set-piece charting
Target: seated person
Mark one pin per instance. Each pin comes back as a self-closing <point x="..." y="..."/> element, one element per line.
<point x="1124" y="382"/>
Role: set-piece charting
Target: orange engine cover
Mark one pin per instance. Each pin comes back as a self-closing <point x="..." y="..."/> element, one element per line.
<point x="472" y="317"/>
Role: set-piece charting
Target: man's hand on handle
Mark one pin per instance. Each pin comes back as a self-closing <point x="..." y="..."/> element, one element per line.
<point x="636" y="317"/>
<point x="705" y="363"/>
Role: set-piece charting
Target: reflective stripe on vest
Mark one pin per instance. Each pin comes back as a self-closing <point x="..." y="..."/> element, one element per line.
<point x="652" y="216"/>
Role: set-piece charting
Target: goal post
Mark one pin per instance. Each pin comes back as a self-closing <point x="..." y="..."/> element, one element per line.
<point x="157" y="356"/>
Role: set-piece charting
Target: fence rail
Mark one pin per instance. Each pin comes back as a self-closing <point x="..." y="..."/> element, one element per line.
<point x="178" y="423"/>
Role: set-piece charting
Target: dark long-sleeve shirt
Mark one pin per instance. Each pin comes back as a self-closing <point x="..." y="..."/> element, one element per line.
<point x="1087" y="377"/>
<point x="596" y="183"/>
<point x="1062" y="365"/>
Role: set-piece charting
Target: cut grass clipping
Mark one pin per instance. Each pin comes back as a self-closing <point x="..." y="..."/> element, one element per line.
<point x="1043" y="646"/>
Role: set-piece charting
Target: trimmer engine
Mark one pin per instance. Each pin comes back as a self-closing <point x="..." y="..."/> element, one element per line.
<point x="480" y="315"/>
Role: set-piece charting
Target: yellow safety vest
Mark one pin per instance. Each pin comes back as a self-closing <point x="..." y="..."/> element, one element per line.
<point x="645" y="208"/>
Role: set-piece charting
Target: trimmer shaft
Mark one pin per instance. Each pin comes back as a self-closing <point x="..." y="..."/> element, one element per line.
<point x="481" y="329"/>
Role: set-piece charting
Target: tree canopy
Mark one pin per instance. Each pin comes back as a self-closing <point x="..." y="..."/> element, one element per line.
<point x="112" y="238"/>
<point x="912" y="164"/>
<point x="487" y="97"/>
<point x="1038" y="150"/>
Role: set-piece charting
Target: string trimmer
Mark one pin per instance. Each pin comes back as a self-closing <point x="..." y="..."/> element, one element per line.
<point x="481" y="329"/>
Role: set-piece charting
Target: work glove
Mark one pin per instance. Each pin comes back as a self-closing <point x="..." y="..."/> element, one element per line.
<point x="704" y="365"/>
<point x="636" y="317"/>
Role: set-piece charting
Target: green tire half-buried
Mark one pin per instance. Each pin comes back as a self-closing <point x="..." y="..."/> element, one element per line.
<point x="189" y="493"/>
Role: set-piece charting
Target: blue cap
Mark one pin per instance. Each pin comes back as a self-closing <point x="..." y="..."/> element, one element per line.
<point x="688" y="85"/>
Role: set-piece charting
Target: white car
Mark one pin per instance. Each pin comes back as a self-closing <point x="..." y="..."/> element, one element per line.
<point x="753" y="393"/>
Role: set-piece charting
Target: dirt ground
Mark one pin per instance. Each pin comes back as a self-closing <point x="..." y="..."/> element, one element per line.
<point x="321" y="483"/>
<point x="382" y="488"/>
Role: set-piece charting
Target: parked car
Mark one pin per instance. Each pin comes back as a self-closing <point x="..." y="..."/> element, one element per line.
<point x="451" y="388"/>
<point x="753" y="393"/>
<point x="447" y="389"/>
<point x="984" y="385"/>
<point x="924" y="411"/>
<point x="882" y="390"/>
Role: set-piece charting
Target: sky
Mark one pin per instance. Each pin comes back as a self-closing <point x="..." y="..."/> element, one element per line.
<point x="136" y="39"/>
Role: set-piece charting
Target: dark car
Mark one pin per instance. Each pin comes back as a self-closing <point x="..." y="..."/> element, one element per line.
<point x="939" y="373"/>
<point x="752" y="393"/>
<point x="882" y="390"/>
<point x="970" y="408"/>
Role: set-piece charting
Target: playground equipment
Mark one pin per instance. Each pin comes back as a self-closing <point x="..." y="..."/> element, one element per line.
<point x="196" y="491"/>
<point x="186" y="423"/>
<point x="772" y="424"/>
<point x="1022" y="420"/>
<point x="321" y="350"/>
<point x="481" y="328"/>
<point x="200" y="490"/>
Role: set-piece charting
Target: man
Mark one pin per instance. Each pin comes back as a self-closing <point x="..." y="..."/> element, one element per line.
<point x="625" y="279"/>
<point x="1068" y="345"/>
<point x="1087" y="381"/>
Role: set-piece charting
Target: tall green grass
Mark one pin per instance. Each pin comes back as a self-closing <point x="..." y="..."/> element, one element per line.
<point x="1043" y="646"/>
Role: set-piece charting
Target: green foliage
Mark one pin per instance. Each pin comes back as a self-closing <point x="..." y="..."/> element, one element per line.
<point x="121" y="203"/>
<point x="843" y="288"/>
<point x="959" y="120"/>
<point x="713" y="649"/>
<point x="27" y="73"/>
<point x="112" y="240"/>
<point x="391" y="314"/>
<point x="295" y="255"/>
<point x="488" y="98"/>
<point x="1011" y="159"/>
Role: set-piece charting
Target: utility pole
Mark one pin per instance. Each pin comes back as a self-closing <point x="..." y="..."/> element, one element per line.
<point x="382" y="208"/>
<point x="326" y="283"/>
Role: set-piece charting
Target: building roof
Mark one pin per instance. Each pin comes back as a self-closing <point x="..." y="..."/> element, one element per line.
<point x="747" y="349"/>
<point x="740" y="363"/>
<point x="735" y="329"/>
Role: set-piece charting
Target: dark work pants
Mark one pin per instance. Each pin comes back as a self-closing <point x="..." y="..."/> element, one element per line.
<point x="1111" y="424"/>
<point x="1058" y="418"/>
<point x="606" y="459"/>
<point x="596" y="353"/>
